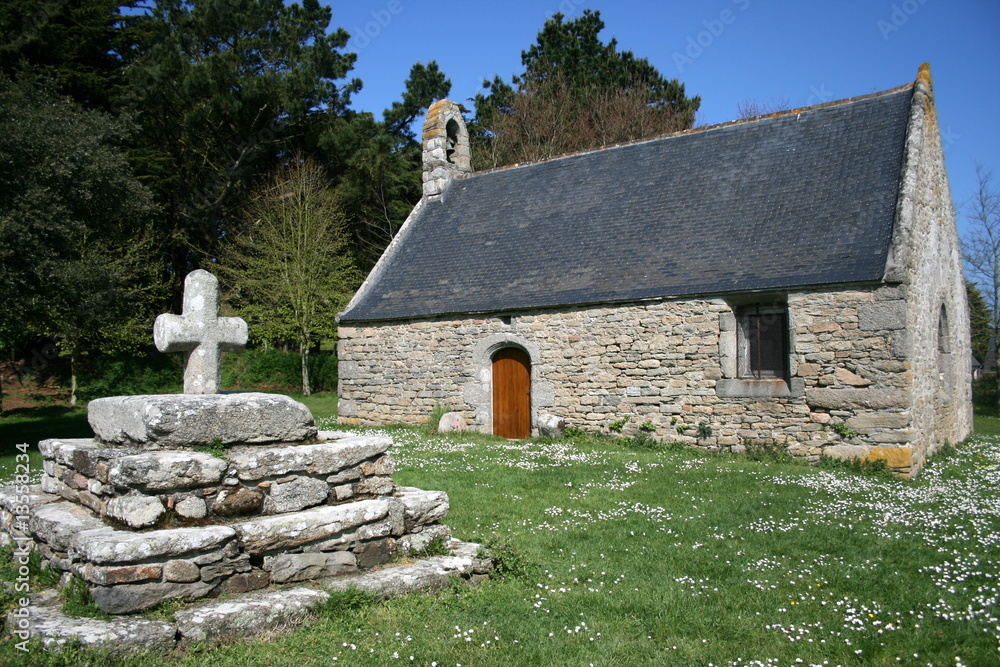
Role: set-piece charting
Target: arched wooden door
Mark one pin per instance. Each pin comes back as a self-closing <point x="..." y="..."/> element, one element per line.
<point x="512" y="393"/>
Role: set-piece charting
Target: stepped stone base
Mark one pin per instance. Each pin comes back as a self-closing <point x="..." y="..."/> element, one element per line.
<point x="227" y="620"/>
<point x="140" y="517"/>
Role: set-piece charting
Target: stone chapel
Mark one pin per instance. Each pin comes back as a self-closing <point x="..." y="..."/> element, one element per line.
<point x="792" y="280"/>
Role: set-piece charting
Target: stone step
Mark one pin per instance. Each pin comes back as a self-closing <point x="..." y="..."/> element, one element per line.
<point x="45" y="621"/>
<point x="58" y="524"/>
<point x="428" y="573"/>
<point x="107" y="546"/>
<point x="322" y="528"/>
<point x="247" y="615"/>
<point x="254" y="463"/>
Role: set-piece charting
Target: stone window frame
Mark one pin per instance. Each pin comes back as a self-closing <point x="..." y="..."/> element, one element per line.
<point x="944" y="359"/>
<point x="479" y="393"/>
<point x="743" y="356"/>
<point x="733" y="386"/>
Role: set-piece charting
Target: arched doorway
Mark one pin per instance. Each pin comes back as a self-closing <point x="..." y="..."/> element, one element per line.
<point x="512" y="393"/>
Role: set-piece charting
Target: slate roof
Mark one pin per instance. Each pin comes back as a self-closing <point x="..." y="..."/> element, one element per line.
<point x="793" y="200"/>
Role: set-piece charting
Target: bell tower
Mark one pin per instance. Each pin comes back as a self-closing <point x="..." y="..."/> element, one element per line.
<point x="445" y="147"/>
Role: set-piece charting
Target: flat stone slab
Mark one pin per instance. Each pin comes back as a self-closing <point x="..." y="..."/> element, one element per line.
<point x="129" y="598"/>
<point x="253" y="463"/>
<point x="119" y="546"/>
<point x="853" y="398"/>
<point x="13" y="500"/>
<point x="119" y="636"/>
<point x="165" y="471"/>
<point x="422" y="507"/>
<point x="400" y="579"/>
<point x="58" y="524"/>
<point x="288" y="531"/>
<point x="251" y="615"/>
<point x="172" y="421"/>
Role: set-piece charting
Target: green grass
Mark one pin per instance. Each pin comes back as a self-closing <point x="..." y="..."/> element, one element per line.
<point x="618" y="555"/>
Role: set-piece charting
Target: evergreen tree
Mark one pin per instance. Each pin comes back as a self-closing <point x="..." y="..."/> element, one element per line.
<point x="576" y="92"/>
<point x="380" y="183"/>
<point x="83" y="46"/>
<point x="226" y="89"/>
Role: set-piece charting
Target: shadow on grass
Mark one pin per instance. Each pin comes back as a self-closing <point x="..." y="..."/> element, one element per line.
<point x="29" y="425"/>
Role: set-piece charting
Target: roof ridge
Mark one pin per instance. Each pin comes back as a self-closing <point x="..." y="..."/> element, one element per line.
<point x="696" y="130"/>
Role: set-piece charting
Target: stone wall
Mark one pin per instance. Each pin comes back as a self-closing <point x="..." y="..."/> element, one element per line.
<point x="667" y="362"/>
<point x="926" y="260"/>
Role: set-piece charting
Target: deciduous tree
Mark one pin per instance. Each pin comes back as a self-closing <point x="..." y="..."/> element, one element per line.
<point x="288" y="270"/>
<point x="981" y="247"/>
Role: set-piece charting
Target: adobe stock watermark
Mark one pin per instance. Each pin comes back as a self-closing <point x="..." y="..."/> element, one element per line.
<point x="899" y="15"/>
<point x="819" y="95"/>
<point x="19" y="624"/>
<point x="381" y="18"/>
<point x="714" y="28"/>
<point x="569" y="7"/>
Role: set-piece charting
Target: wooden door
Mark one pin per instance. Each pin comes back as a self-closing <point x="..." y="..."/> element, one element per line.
<point x="512" y="393"/>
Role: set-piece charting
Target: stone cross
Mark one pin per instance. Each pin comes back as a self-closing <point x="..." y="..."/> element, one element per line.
<point x="200" y="333"/>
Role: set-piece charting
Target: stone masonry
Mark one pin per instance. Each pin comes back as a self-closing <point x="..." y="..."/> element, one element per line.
<point x="889" y="360"/>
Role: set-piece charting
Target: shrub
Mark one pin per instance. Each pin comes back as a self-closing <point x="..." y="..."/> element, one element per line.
<point x="276" y="369"/>
<point x="984" y="396"/>
<point x="434" y="419"/>
<point x="508" y="561"/>
<point x="130" y="374"/>
<point x="618" y="424"/>
<point x="843" y="430"/>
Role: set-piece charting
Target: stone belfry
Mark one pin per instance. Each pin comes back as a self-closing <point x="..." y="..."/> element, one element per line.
<point x="446" y="147"/>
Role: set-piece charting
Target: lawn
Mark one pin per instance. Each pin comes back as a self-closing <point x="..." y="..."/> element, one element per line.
<point x="639" y="557"/>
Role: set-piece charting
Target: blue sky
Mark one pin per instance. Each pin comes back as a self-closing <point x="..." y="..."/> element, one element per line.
<point x="726" y="51"/>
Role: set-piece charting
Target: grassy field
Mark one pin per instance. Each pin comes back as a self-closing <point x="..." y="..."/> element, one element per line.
<point x="636" y="557"/>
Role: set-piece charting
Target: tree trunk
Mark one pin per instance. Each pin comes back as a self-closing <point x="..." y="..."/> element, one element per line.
<point x="304" y="353"/>
<point x="72" y="378"/>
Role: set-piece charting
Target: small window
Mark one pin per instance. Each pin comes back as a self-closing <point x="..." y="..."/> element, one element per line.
<point x="944" y="333"/>
<point x="762" y="342"/>
<point x="451" y="130"/>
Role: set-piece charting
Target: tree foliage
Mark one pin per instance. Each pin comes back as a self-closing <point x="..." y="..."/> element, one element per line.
<point x="576" y="92"/>
<point x="220" y="93"/>
<point x="980" y="319"/>
<point x="225" y="89"/>
<point x="287" y="268"/>
<point x="380" y="180"/>
<point x="77" y="259"/>
<point x="83" y="46"/>
<point x="753" y="108"/>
